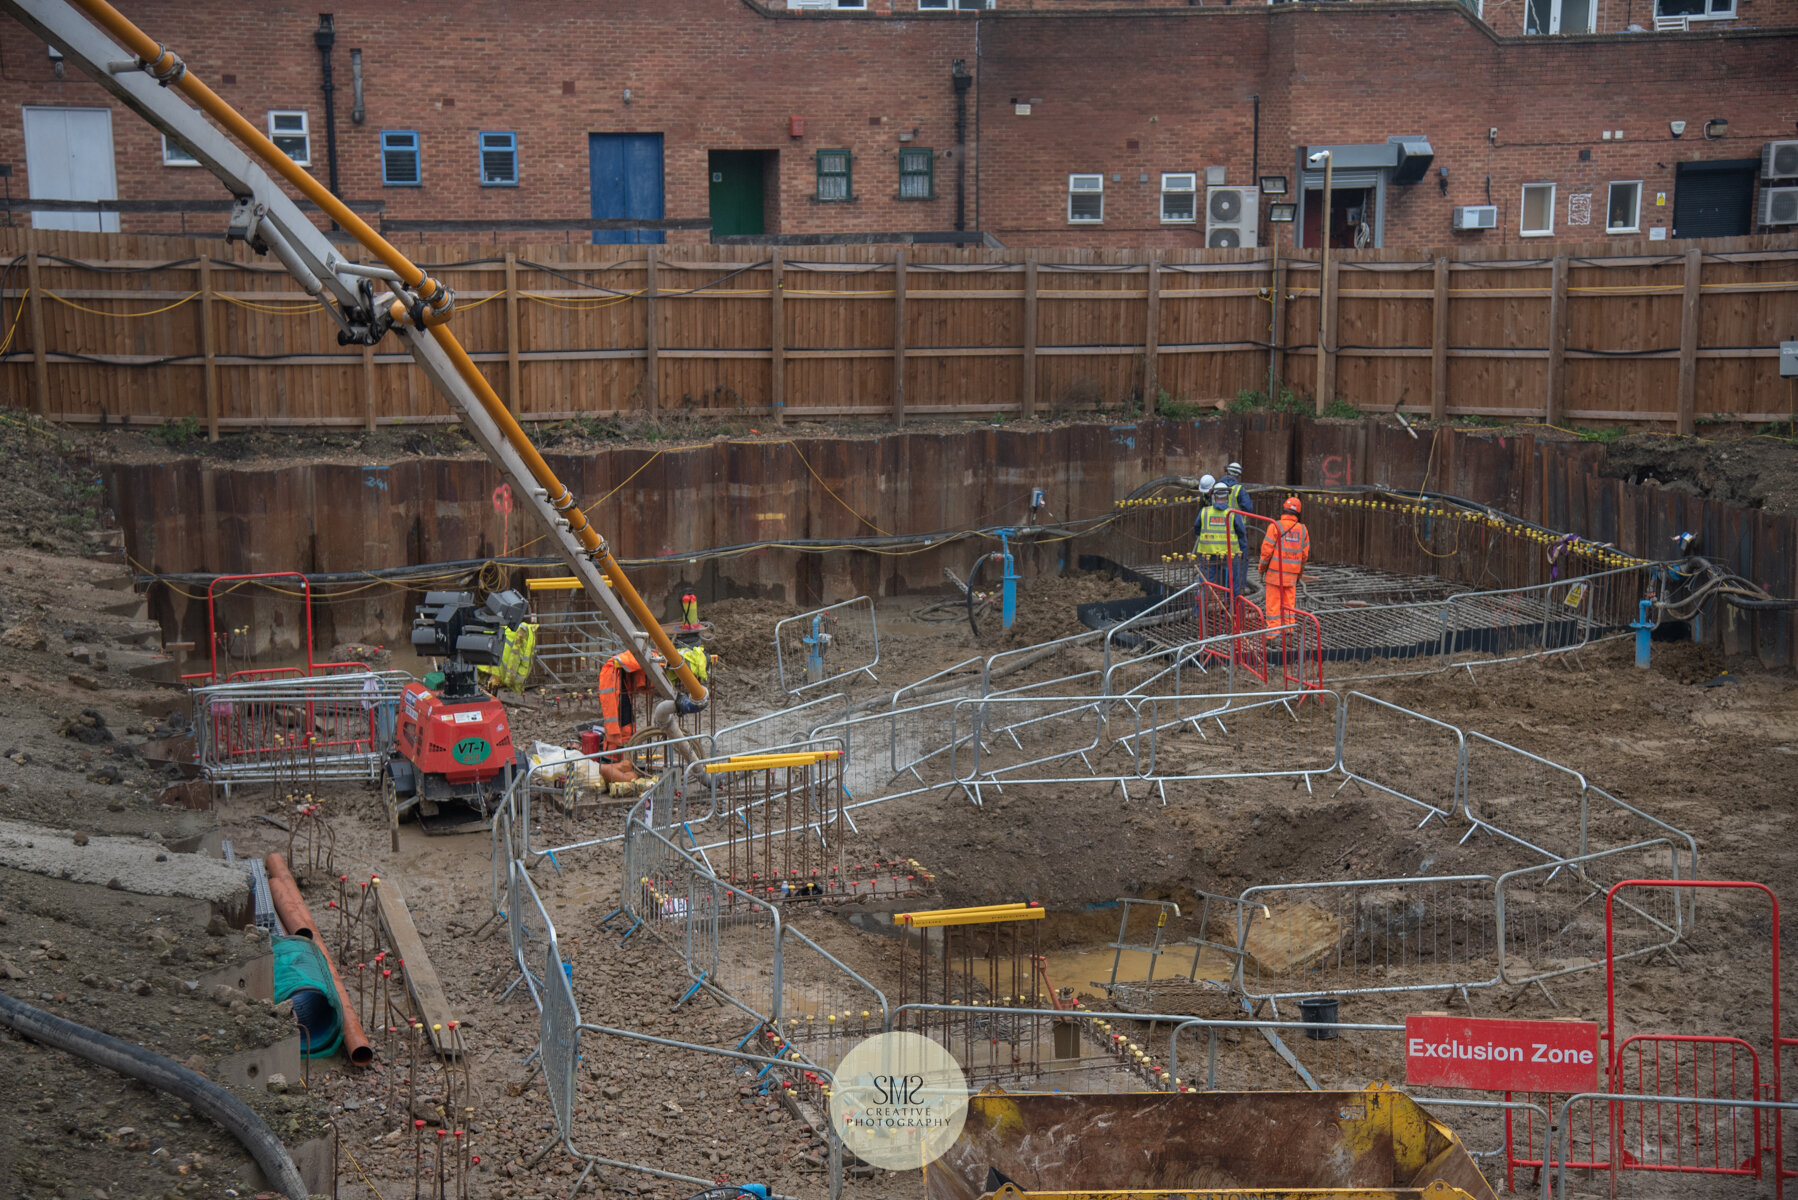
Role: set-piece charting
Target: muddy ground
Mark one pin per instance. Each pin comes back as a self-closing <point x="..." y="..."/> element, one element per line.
<point x="1707" y="744"/>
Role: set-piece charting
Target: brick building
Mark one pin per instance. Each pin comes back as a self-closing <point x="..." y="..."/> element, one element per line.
<point x="1072" y="122"/>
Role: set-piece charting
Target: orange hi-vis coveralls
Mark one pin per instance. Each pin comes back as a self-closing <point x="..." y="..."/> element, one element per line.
<point x="1284" y="553"/>
<point x="618" y="678"/>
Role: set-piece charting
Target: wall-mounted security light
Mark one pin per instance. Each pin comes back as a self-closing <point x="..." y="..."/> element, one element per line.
<point x="1281" y="212"/>
<point x="55" y="60"/>
<point x="1716" y="127"/>
<point x="1442" y="179"/>
<point x="1273" y="185"/>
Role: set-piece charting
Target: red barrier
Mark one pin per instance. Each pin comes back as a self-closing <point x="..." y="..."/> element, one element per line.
<point x="212" y="641"/>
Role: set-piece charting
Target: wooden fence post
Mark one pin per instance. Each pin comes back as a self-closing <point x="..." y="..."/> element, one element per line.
<point x="1439" y="345"/>
<point x="1326" y="335"/>
<point x="1688" y="344"/>
<point x="1029" y="373"/>
<point x="40" y="370"/>
<point x="651" y="351"/>
<point x="208" y="352"/>
<point x="514" y="384"/>
<point x="1151" y="372"/>
<point x="899" y="337"/>
<point x="777" y="374"/>
<point x="1276" y="328"/>
<point x="1557" y="343"/>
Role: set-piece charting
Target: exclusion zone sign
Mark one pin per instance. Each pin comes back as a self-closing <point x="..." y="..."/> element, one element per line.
<point x="1501" y="1056"/>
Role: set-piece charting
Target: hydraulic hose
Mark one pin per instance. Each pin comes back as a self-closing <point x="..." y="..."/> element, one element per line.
<point x="164" y="1075"/>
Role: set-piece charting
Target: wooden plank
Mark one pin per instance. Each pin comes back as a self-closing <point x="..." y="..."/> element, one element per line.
<point x="899" y="337"/>
<point x="1553" y="402"/>
<point x="1439" y="345"/>
<point x="1152" y="338"/>
<point x="777" y="337"/>
<point x="1029" y="372"/>
<point x="650" y="399"/>
<point x="1688" y="344"/>
<point x="40" y="374"/>
<point x="211" y="380"/>
<point x="429" y="1001"/>
<point x="513" y="378"/>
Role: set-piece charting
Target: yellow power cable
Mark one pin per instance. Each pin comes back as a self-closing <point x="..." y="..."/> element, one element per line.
<point x="589" y="509"/>
<point x="833" y="495"/>
<point x="16" y="318"/>
<point x="295" y="309"/>
<point x="100" y="312"/>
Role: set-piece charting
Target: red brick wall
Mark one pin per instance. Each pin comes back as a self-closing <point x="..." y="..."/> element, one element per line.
<point x="1130" y="93"/>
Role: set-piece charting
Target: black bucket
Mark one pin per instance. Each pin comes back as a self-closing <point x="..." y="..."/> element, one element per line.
<point x="1321" y="1012"/>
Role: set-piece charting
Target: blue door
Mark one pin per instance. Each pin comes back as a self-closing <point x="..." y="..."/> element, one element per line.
<point x="627" y="182"/>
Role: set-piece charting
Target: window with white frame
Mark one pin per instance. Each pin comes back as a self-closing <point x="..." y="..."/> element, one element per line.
<point x="1086" y="199"/>
<point x="174" y="156"/>
<point x="1623" y="207"/>
<point x="1696" y="10"/>
<point x="1179" y="198"/>
<point x="1537" y="214"/>
<point x="288" y="130"/>
<point x="499" y="160"/>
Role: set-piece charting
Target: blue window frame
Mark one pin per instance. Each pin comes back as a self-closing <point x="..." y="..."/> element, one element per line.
<point x="499" y="160"/>
<point x="400" y="165"/>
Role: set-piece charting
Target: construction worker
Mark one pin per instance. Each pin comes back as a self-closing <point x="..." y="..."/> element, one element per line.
<point x="1241" y="502"/>
<point x="1219" y="541"/>
<point x="1284" y="552"/>
<point x="620" y="675"/>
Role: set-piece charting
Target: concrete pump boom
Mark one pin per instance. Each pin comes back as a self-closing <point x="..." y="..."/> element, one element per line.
<point x="366" y="301"/>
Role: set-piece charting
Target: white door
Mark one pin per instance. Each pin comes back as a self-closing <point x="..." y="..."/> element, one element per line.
<point x="68" y="156"/>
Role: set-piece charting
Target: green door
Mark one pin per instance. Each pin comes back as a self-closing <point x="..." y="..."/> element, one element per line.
<point x="736" y="190"/>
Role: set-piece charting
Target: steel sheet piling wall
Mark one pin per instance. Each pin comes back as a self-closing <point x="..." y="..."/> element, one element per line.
<point x="192" y="515"/>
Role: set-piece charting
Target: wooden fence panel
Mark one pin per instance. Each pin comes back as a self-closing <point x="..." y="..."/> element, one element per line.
<point x="122" y="320"/>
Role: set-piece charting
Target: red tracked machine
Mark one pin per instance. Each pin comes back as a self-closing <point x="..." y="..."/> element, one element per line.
<point x="453" y="756"/>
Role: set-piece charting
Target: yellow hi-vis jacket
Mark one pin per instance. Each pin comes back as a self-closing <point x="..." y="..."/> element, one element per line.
<point x="1217" y="533"/>
<point x="515" y="661"/>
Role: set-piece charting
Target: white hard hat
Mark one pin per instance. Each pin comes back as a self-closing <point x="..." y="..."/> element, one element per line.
<point x="1206" y="483"/>
<point x="1234" y="469"/>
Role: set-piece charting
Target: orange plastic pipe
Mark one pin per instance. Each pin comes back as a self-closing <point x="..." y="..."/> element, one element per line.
<point x="296" y="918"/>
<point x="209" y="102"/>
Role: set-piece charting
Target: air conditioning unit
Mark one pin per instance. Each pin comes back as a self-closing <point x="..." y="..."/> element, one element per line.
<point x="1779" y="160"/>
<point x="1231" y="217"/>
<point x="1779" y="206"/>
<point x="1476" y="216"/>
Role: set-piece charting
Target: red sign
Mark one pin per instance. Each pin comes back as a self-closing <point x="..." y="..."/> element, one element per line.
<point x="1501" y="1056"/>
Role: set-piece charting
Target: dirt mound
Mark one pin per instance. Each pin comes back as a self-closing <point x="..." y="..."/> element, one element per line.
<point x="50" y="501"/>
<point x="1047" y="604"/>
<point x="743" y="632"/>
<point x="1758" y="472"/>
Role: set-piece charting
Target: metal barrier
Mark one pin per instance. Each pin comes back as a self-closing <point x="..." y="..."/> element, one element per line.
<point x="1403" y="753"/>
<point x="571" y="647"/>
<point x="1548" y="926"/>
<point x="1525" y="797"/>
<point x="298" y="729"/>
<point x="833" y="642"/>
<point x="826" y="1007"/>
<point x="1365" y="937"/>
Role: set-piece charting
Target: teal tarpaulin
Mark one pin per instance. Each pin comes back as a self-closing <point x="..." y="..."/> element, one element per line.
<point x="303" y="976"/>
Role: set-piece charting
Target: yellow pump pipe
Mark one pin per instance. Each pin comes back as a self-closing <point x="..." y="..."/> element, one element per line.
<point x="162" y="60"/>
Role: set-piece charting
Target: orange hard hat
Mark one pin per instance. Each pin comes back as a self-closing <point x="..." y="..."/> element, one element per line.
<point x="1292" y="504"/>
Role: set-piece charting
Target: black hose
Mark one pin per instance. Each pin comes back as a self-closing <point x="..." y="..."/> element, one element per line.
<point x="165" y="1075"/>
